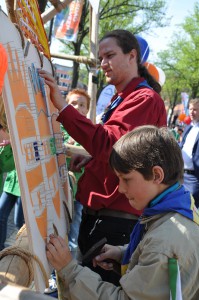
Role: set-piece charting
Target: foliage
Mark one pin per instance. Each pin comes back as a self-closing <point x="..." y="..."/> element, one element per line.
<point x="134" y="15"/>
<point x="180" y="62"/>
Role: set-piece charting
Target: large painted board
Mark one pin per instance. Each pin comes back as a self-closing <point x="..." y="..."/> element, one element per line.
<point x="37" y="145"/>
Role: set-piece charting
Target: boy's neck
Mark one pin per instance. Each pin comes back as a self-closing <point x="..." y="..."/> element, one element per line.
<point x="165" y="190"/>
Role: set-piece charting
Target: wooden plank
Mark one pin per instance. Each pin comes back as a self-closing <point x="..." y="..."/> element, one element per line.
<point x="37" y="145"/>
<point x="14" y="292"/>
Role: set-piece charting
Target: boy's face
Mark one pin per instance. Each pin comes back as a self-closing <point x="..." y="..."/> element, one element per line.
<point x="138" y="190"/>
<point x="194" y="112"/>
<point x="79" y="102"/>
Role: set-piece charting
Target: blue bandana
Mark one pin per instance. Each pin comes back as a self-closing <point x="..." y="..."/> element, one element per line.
<point x="174" y="199"/>
<point x="109" y="110"/>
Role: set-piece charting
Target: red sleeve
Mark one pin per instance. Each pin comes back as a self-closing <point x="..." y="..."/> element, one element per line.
<point x="140" y="108"/>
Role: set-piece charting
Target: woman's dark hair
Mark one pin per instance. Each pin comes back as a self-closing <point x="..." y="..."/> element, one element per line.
<point x="146" y="147"/>
<point x="127" y="41"/>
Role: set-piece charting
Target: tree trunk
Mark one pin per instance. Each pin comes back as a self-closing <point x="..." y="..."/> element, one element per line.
<point x="75" y="75"/>
<point x="194" y="91"/>
<point x="173" y="105"/>
<point x="77" y="45"/>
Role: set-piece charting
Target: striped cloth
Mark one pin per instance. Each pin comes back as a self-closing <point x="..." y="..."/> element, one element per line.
<point x="174" y="280"/>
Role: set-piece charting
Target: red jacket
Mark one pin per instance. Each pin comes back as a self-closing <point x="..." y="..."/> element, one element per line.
<point x="98" y="186"/>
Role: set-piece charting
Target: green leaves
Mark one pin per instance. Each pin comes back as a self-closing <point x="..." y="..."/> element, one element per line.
<point x="180" y="62"/>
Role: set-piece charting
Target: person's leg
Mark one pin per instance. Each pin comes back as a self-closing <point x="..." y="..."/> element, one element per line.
<point x="191" y="183"/>
<point x="18" y="215"/>
<point x="74" y="228"/>
<point x="117" y="232"/>
<point x="6" y="205"/>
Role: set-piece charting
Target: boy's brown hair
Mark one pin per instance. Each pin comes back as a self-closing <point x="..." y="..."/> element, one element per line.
<point x="146" y="147"/>
<point x="81" y="92"/>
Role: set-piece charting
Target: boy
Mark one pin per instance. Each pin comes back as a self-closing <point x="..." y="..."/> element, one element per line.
<point x="149" y="165"/>
<point x="80" y="100"/>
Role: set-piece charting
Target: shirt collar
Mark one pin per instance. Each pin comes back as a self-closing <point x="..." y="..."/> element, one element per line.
<point x="131" y="86"/>
<point x="195" y="124"/>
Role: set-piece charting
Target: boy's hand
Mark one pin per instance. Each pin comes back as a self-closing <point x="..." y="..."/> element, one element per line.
<point x="55" y="94"/>
<point x="104" y="259"/>
<point x="58" y="253"/>
<point x="78" y="161"/>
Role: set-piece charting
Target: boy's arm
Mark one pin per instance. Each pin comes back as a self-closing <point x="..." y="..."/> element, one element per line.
<point x="59" y="255"/>
<point x="147" y="280"/>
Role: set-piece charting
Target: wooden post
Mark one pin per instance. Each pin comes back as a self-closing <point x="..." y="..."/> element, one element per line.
<point x="15" y="292"/>
<point x="80" y="59"/>
<point x="52" y="11"/>
<point x="92" y="80"/>
<point x="10" y="9"/>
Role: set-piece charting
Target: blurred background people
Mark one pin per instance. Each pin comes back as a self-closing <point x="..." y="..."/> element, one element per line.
<point x="10" y="196"/>
<point x="190" y="151"/>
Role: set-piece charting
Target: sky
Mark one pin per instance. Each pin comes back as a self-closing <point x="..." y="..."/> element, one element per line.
<point x="160" y="37"/>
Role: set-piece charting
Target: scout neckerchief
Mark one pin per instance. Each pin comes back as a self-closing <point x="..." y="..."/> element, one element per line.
<point x="173" y="199"/>
<point x="115" y="102"/>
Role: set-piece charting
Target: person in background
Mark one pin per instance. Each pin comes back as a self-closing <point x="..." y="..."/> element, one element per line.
<point x="149" y="165"/>
<point x="180" y="130"/>
<point x="6" y="155"/>
<point x="3" y="134"/>
<point x="106" y="212"/>
<point x="10" y="196"/>
<point x="190" y="151"/>
<point x="80" y="100"/>
<point x="177" y="132"/>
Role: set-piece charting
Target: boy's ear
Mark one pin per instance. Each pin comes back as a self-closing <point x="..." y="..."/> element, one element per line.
<point x="158" y="174"/>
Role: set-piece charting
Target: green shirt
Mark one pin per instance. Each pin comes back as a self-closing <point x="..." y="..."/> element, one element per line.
<point x="66" y="137"/>
<point x="11" y="184"/>
<point x="7" y="165"/>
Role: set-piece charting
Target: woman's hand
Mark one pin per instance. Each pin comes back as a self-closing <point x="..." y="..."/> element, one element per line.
<point x="104" y="259"/>
<point x="57" y="252"/>
<point x="55" y="94"/>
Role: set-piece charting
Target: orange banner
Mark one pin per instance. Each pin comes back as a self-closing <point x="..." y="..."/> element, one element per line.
<point x="67" y="21"/>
